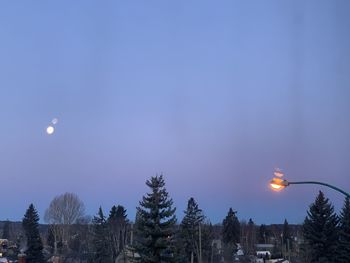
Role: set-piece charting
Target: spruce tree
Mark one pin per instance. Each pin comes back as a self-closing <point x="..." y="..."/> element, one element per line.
<point x="207" y="236"/>
<point x="102" y="246"/>
<point x="137" y="237"/>
<point x="251" y="237"/>
<point x="343" y="248"/>
<point x="117" y="225"/>
<point x="155" y="225"/>
<point x="320" y="231"/>
<point x="190" y="229"/>
<point x="230" y="234"/>
<point x="34" y="252"/>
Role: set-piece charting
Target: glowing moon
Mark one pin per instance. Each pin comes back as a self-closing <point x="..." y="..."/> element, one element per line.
<point x="50" y="130"/>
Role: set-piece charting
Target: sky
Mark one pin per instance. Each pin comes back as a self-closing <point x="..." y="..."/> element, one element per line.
<point x="214" y="95"/>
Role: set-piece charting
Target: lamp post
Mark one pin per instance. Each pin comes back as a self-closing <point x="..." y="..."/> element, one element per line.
<point x="278" y="184"/>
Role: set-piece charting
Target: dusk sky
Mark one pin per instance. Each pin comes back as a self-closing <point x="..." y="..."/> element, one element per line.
<point x="212" y="94"/>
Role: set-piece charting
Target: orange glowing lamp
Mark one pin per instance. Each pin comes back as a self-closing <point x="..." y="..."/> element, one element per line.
<point x="278" y="184"/>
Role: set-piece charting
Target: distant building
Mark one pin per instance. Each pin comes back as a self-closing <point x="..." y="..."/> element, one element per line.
<point x="264" y="247"/>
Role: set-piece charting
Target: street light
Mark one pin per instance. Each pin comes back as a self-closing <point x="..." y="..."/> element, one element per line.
<point x="278" y="184"/>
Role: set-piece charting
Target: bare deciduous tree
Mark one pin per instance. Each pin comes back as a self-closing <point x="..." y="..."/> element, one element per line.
<point x="63" y="211"/>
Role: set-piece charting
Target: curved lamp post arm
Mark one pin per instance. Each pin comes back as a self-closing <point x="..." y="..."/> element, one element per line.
<point x="328" y="185"/>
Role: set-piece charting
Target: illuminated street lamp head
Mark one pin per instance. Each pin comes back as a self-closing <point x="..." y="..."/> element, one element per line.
<point x="50" y="130"/>
<point x="278" y="184"/>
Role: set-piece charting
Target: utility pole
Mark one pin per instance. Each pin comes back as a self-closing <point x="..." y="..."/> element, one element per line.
<point x="200" y="243"/>
<point x="132" y="234"/>
<point x="282" y="245"/>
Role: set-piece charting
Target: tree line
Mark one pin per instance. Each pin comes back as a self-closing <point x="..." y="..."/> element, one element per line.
<point x="157" y="236"/>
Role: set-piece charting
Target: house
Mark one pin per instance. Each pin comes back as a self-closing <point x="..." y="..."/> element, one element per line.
<point x="264" y="247"/>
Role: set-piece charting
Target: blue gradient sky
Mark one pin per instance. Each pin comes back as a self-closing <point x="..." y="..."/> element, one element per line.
<point x="213" y="94"/>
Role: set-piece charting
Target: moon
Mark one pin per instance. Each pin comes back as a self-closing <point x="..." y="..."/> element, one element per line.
<point x="50" y="130"/>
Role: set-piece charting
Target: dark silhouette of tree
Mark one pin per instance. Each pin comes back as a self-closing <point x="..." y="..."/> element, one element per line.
<point x="251" y="237"/>
<point x="136" y="238"/>
<point x="320" y="231"/>
<point x="117" y="225"/>
<point x="207" y="235"/>
<point x="190" y="227"/>
<point x="80" y="239"/>
<point x="286" y="237"/>
<point x="100" y="240"/>
<point x="263" y="234"/>
<point x="6" y="230"/>
<point x="156" y="222"/>
<point x="230" y="234"/>
<point x="34" y="252"/>
<point x="343" y="248"/>
<point x="50" y="239"/>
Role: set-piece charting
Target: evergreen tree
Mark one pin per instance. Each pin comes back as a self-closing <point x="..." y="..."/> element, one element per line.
<point x="6" y="230"/>
<point x="343" y="249"/>
<point x="251" y="237"/>
<point x="190" y="226"/>
<point x="230" y="234"/>
<point x="30" y="225"/>
<point x="320" y="231"/>
<point x="156" y="222"/>
<point x="136" y="237"/>
<point x="207" y="236"/>
<point x="100" y="240"/>
<point x="117" y="225"/>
